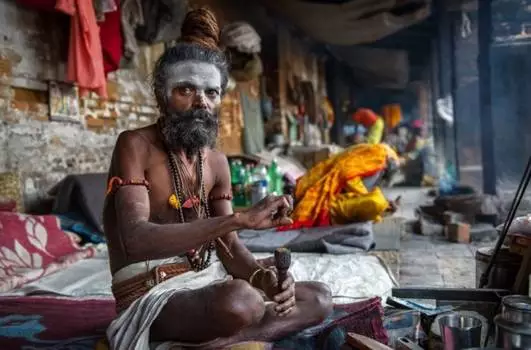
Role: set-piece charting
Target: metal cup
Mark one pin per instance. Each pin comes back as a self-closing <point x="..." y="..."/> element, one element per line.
<point x="460" y="332"/>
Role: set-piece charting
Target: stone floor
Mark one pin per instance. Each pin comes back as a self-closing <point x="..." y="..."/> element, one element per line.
<point x="428" y="260"/>
<point x="435" y="262"/>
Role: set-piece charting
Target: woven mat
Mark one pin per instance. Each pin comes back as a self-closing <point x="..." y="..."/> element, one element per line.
<point x="391" y="258"/>
<point x="387" y="235"/>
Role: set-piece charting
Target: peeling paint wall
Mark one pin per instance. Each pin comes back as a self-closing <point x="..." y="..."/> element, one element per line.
<point x="32" y="51"/>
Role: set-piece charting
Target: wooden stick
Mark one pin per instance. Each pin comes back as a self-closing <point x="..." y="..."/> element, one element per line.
<point x="224" y="247"/>
<point x="358" y="341"/>
<point x="523" y="273"/>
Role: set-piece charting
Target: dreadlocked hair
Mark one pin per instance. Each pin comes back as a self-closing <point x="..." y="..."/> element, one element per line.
<point x="199" y="41"/>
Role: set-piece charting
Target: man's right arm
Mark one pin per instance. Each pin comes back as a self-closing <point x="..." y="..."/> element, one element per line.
<point x="144" y="240"/>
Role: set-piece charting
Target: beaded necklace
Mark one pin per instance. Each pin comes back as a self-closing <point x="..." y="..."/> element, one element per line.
<point x="199" y="259"/>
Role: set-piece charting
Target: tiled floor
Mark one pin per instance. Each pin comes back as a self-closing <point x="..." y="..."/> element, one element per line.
<point x="435" y="262"/>
<point x="428" y="260"/>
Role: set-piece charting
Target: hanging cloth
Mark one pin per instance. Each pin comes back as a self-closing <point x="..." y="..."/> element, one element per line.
<point x="392" y="115"/>
<point x="162" y="20"/>
<point x="111" y="41"/>
<point x="253" y="124"/>
<point x="132" y="17"/>
<point x="101" y="7"/>
<point x="85" y="58"/>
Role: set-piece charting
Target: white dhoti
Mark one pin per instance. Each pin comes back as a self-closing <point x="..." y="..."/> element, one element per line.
<point x="131" y="329"/>
<point x="350" y="277"/>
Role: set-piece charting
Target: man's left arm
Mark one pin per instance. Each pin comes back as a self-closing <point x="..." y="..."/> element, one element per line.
<point x="242" y="264"/>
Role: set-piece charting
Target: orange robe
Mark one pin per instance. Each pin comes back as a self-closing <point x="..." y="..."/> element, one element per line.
<point x="333" y="191"/>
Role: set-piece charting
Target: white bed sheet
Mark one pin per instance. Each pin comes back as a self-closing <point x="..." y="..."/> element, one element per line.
<point x="349" y="276"/>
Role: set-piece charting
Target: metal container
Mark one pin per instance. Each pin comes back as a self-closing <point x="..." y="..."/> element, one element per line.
<point x="460" y="332"/>
<point x="503" y="272"/>
<point x="512" y="335"/>
<point x="517" y="309"/>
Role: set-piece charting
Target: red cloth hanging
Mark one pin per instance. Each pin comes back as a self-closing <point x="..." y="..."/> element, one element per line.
<point x="111" y="41"/>
<point x="85" y="59"/>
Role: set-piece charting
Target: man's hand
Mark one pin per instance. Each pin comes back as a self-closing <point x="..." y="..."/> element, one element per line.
<point x="272" y="211"/>
<point x="285" y="300"/>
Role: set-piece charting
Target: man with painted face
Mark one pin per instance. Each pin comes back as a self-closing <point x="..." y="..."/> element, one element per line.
<point x="168" y="213"/>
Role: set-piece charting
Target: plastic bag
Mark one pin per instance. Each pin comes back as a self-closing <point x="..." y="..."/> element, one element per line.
<point x="521" y="224"/>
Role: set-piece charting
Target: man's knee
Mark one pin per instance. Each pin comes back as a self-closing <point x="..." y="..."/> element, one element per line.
<point x="241" y="304"/>
<point x="321" y="301"/>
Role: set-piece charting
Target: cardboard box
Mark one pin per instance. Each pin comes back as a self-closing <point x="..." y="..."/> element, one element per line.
<point x="459" y="232"/>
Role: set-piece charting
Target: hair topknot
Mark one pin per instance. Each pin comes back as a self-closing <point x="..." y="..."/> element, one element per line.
<point x="201" y="27"/>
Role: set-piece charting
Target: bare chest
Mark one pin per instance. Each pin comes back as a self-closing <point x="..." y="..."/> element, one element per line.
<point x="163" y="185"/>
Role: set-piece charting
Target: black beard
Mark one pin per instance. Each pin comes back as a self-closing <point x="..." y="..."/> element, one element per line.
<point x="190" y="131"/>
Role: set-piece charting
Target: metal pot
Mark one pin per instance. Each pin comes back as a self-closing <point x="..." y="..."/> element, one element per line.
<point x="503" y="272"/>
<point x="512" y="335"/>
<point x="516" y="308"/>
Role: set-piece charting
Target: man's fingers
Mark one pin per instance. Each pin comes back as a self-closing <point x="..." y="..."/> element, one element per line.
<point x="289" y="198"/>
<point x="280" y="202"/>
<point x="288" y="282"/>
<point x="284" y="295"/>
<point x="271" y="277"/>
<point x="282" y="221"/>
<point x="280" y="308"/>
<point x="285" y="313"/>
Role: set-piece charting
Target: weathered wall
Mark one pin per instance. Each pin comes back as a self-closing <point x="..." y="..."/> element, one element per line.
<point x="32" y="51"/>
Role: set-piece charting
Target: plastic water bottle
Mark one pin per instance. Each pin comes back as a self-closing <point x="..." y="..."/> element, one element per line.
<point x="259" y="191"/>
<point x="235" y="166"/>
<point x="276" y="184"/>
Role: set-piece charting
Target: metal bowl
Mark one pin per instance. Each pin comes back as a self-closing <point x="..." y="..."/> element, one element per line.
<point x="516" y="308"/>
<point x="512" y="335"/>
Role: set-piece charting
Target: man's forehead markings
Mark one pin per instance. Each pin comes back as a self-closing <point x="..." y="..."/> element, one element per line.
<point x="200" y="74"/>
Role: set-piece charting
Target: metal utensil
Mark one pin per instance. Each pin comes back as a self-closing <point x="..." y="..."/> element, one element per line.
<point x="460" y="332"/>
<point x="512" y="335"/>
<point x="516" y="308"/>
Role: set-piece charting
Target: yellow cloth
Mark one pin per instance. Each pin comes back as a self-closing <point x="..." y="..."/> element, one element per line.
<point x="375" y="132"/>
<point x="328" y="111"/>
<point x="358" y="207"/>
<point x="321" y="188"/>
<point x="392" y="115"/>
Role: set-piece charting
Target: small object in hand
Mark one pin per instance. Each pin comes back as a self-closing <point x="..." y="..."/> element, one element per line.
<point x="224" y="247"/>
<point x="282" y="263"/>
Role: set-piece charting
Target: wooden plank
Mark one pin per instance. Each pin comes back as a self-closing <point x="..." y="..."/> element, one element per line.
<point x="361" y="342"/>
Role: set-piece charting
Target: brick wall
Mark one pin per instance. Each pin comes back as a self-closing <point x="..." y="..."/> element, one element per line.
<point x="32" y="51"/>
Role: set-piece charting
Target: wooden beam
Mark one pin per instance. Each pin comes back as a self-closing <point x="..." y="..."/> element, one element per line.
<point x="485" y="97"/>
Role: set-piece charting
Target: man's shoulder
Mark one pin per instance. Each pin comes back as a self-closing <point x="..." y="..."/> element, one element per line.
<point x="136" y="139"/>
<point x="218" y="163"/>
<point x="217" y="157"/>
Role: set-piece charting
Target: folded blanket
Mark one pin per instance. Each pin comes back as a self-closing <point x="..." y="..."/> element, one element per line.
<point x="130" y="331"/>
<point x="330" y="239"/>
<point x="83" y="194"/>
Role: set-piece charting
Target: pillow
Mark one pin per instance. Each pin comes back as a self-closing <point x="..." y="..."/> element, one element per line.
<point x="362" y="317"/>
<point x="10" y="189"/>
<point x="365" y="318"/>
<point x="32" y="246"/>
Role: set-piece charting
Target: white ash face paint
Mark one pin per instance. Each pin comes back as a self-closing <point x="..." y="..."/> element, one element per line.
<point x="202" y="76"/>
